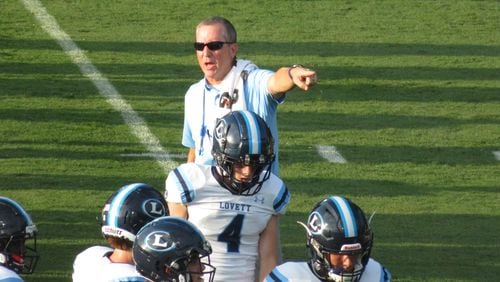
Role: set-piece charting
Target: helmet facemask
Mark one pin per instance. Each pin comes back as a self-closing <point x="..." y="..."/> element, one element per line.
<point x="194" y="268"/>
<point x="259" y="164"/>
<point x="323" y="268"/>
<point x="18" y="256"/>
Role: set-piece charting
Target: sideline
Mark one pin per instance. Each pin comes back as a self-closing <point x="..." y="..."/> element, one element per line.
<point x="136" y="124"/>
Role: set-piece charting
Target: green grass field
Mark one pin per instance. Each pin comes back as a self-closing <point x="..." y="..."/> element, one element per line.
<point x="408" y="93"/>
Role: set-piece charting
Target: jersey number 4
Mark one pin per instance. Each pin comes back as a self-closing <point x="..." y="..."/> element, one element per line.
<point x="231" y="234"/>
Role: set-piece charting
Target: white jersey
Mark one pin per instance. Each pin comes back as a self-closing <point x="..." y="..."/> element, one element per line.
<point x="94" y="265"/>
<point x="301" y="272"/>
<point x="8" y="275"/>
<point x="231" y="223"/>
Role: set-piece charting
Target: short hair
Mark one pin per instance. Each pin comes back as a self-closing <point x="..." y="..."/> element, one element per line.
<point x="119" y="243"/>
<point x="230" y="31"/>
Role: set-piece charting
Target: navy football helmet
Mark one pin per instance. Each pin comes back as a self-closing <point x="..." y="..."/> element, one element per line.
<point x="16" y="230"/>
<point x="243" y="138"/>
<point x="336" y="225"/>
<point x="130" y="208"/>
<point x="168" y="248"/>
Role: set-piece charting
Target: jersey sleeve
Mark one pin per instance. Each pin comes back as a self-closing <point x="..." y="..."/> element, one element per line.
<point x="87" y="261"/>
<point x="275" y="276"/>
<point x="282" y="199"/>
<point x="182" y="183"/>
<point x="374" y="271"/>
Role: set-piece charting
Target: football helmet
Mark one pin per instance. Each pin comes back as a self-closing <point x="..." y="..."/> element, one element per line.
<point x="16" y="231"/>
<point x="130" y="208"/>
<point x="168" y="248"/>
<point x="243" y="138"/>
<point x="337" y="225"/>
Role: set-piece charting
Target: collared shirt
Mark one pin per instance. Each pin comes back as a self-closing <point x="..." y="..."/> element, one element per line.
<point x="201" y="110"/>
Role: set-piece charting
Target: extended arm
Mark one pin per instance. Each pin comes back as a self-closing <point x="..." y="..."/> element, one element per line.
<point x="286" y="78"/>
<point x="269" y="247"/>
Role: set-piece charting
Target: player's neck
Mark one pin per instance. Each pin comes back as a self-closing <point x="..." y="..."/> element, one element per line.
<point x="121" y="256"/>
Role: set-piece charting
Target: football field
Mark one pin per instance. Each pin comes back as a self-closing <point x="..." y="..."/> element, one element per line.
<point x="405" y="119"/>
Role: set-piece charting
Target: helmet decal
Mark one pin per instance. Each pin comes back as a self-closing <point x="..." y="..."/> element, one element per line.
<point x="351" y="247"/>
<point x="160" y="241"/>
<point x="315" y="223"/>
<point x="253" y="133"/>
<point x="153" y="208"/>
<point x="219" y="129"/>
<point x="346" y="215"/>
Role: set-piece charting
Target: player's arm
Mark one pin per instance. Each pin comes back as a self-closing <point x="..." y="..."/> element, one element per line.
<point x="269" y="247"/>
<point x="286" y="78"/>
<point x="177" y="209"/>
<point x="191" y="155"/>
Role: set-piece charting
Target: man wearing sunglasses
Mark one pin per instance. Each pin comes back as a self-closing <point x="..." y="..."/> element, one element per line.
<point x="232" y="84"/>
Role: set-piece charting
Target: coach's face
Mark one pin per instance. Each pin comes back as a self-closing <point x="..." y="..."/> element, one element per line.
<point x="215" y="64"/>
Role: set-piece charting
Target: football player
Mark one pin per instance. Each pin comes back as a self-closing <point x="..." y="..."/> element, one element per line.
<point x="237" y="202"/>
<point x="171" y="249"/>
<point x="18" y="253"/>
<point x="123" y="215"/>
<point x="339" y="240"/>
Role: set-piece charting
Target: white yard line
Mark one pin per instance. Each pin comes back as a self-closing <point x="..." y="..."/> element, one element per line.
<point x="331" y="154"/>
<point x="497" y="155"/>
<point x="154" y="155"/>
<point x="137" y="125"/>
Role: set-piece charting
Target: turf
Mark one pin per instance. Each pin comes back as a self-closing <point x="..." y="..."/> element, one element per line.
<point x="409" y="94"/>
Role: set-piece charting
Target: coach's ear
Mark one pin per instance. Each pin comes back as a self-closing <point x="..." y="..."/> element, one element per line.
<point x="233" y="47"/>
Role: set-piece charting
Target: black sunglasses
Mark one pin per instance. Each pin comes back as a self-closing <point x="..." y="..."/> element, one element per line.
<point x="214" y="45"/>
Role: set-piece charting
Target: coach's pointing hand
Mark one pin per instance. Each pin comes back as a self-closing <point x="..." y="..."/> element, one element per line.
<point x="302" y="77"/>
<point x="287" y="78"/>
